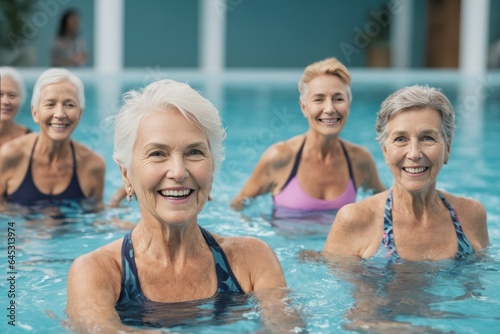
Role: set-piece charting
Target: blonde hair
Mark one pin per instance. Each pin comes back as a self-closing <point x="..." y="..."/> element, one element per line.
<point x="329" y="66"/>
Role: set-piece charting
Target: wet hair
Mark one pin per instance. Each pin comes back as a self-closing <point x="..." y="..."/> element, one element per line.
<point x="55" y="75"/>
<point x="329" y="66"/>
<point x="11" y="72"/>
<point x="64" y="21"/>
<point x="416" y="98"/>
<point x="156" y="97"/>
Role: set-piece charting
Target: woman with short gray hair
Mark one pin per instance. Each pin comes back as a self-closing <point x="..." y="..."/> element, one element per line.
<point x="412" y="220"/>
<point x="168" y="145"/>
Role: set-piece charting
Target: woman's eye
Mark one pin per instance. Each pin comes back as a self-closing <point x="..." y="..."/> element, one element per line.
<point x="399" y="139"/>
<point x="195" y="152"/>
<point x="156" y="154"/>
<point x="427" y="138"/>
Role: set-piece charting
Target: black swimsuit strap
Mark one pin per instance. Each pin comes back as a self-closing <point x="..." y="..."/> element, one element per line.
<point x="295" y="164"/>
<point x="351" y="174"/>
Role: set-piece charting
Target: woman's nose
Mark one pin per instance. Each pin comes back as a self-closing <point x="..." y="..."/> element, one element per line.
<point x="59" y="111"/>
<point x="177" y="169"/>
<point x="415" y="150"/>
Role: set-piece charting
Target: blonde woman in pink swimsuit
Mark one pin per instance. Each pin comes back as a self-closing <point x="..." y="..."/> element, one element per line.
<point x="316" y="170"/>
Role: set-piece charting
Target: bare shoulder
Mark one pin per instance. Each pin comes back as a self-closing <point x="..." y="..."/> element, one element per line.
<point x="14" y="151"/>
<point x="357" y="216"/>
<point x="104" y="261"/>
<point x="103" y="255"/>
<point x="355" y="230"/>
<point x="357" y="153"/>
<point x="468" y="209"/>
<point x="472" y="217"/>
<point x="243" y="246"/>
<point x="282" y="153"/>
<point x="89" y="158"/>
<point x="18" y="147"/>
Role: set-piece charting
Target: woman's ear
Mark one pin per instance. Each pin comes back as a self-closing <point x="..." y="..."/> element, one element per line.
<point x="34" y="114"/>
<point x="447" y="153"/>
<point x="384" y="151"/>
<point x="303" y="107"/>
<point x="125" y="176"/>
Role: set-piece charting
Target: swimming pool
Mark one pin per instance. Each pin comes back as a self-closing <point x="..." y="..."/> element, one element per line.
<point x="448" y="296"/>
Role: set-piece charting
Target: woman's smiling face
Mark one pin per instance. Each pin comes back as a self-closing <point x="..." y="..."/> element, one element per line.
<point x="58" y="111"/>
<point x="172" y="168"/>
<point x="415" y="148"/>
<point x="10" y="99"/>
<point x="326" y="104"/>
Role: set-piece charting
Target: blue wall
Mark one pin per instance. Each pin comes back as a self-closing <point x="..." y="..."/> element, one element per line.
<point x="45" y="21"/>
<point x="260" y="33"/>
<point x="161" y="33"/>
<point x="294" y="33"/>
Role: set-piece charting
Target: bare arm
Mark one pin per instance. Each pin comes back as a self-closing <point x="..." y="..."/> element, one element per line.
<point x="93" y="170"/>
<point x="92" y="294"/>
<point x="366" y="171"/>
<point x="346" y="236"/>
<point x="11" y="155"/>
<point x="261" y="181"/>
<point x="472" y="216"/>
<point x="117" y="197"/>
<point x="269" y="286"/>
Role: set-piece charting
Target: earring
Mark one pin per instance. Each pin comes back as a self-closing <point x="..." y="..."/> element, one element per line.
<point x="209" y="198"/>
<point x="129" y="194"/>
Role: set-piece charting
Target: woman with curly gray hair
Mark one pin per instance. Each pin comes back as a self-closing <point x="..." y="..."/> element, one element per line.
<point x="412" y="220"/>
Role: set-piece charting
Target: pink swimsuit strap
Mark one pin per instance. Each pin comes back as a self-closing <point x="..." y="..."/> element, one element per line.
<point x="292" y="196"/>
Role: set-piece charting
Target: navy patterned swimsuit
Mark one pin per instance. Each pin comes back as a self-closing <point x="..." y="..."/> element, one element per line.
<point x="131" y="292"/>
<point x="388" y="246"/>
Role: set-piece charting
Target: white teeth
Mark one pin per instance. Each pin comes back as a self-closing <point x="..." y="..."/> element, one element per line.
<point x="415" y="170"/>
<point x="175" y="193"/>
<point x="329" y="120"/>
<point x="59" y="126"/>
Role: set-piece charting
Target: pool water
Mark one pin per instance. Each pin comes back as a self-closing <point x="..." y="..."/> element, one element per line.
<point x="371" y="296"/>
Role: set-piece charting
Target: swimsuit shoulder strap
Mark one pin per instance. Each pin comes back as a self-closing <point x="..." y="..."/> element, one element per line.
<point x="226" y="281"/>
<point x="388" y="236"/>
<point x="464" y="246"/>
<point x="130" y="287"/>
<point x="295" y="165"/>
<point x="349" y="165"/>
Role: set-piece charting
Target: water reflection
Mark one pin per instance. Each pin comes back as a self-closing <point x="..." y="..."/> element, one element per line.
<point x="402" y="296"/>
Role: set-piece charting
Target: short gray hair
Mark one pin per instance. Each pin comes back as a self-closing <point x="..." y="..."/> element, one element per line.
<point x="11" y="72"/>
<point x="415" y="98"/>
<point x="55" y="75"/>
<point x="160" y="95"/>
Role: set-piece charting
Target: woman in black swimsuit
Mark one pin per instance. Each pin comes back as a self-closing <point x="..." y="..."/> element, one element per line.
<point x="49" y="166"/>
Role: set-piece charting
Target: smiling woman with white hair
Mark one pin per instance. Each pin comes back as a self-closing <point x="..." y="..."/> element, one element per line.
<point x="49" y="167"/>
<point x="413" y="220"/>
<point x="168" y="145"/>
<point x="12" y="96"/>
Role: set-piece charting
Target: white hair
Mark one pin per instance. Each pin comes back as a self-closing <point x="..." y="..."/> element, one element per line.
<point x="11" y="72"/>
<point x="158" y="96"/>
<point x="55" y="75"/>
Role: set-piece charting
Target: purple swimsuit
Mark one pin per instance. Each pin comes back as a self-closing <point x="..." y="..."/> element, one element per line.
<point x="293" y="197"/>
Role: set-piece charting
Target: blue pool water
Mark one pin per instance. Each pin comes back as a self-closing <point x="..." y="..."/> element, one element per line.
<point x="448" y="296"/>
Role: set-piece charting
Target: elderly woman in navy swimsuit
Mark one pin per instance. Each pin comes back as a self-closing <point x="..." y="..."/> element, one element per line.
<point x="48" y="166"/>
<point x="413" y="220"/>
<point x="316" y="170"/>
<point x="168" y="144"/>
